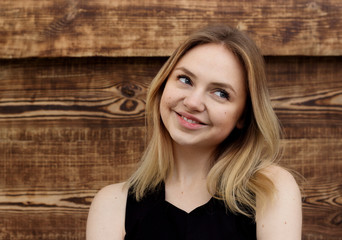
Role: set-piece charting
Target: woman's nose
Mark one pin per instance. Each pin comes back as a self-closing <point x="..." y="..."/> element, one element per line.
<point x="194" y="101"/>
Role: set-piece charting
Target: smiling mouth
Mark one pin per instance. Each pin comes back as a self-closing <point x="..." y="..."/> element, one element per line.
<point x="190" y="120"/>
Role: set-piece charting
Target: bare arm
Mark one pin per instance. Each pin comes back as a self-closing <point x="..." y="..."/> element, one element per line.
<point x="106" y="219"/>
<point x="281" y="218"/>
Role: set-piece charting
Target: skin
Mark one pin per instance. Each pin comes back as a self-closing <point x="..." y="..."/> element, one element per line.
<point x="207" y="88"/>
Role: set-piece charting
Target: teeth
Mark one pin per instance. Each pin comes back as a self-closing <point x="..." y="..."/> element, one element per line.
<point x="189" y="120"/>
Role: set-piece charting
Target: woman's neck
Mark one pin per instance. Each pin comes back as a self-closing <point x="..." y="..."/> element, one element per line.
<point x="190" y="164"/>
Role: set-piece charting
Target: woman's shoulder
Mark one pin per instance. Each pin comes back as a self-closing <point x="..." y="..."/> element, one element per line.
<point x="112" y="196"/>
<point x="106" y="219"/>
<point x="282" y="179"/>
<point x="117" y="190"/>
<point x="283" y="214"/>
<point x="285" y="184"/>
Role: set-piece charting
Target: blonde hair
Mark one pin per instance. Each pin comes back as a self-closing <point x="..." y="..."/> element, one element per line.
<point x="236" y="175"/>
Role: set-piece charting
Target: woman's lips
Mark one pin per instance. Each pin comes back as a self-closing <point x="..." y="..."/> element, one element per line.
<point x="190" y="119"/>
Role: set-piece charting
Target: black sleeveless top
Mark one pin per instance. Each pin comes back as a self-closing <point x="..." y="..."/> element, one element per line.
<point x="153" y="218"/>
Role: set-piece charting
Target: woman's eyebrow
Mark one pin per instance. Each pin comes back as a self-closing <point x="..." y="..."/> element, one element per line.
<point x="188" y="72"/>
<point x="224" y="86"/>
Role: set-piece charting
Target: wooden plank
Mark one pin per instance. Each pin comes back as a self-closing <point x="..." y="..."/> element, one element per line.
<point x="47" y="28"/>
<point x="306" y="93"/>
<point x="84" y="158"/>
<point x="32" y="225"/>
<point x="325" y="224"/>
<point x="322" y="208"/>
<point x="111" y="90"/>
<point x="19" y="200"/>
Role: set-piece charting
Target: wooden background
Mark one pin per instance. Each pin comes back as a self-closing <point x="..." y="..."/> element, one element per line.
<point x="73" y="79"/>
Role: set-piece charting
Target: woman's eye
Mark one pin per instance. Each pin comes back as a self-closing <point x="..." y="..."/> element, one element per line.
<point x="222" y="94"/>
<point x="184" y="79"/>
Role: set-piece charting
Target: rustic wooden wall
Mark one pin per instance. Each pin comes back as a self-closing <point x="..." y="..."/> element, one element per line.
<point x="73" y="79"/>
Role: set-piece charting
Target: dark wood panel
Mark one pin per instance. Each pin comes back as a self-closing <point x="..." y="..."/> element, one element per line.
<point x="154" y="28"/>
<point x="68" y="158"/>
<point x="322" y="209"/>
<point x="98" y="89"/>
<point x="326" y="224"/>
<point x="62" y="201"/>
<point x="314" y="157"/>
<point x="47" y="225"/>
<point x="306" y="93"/>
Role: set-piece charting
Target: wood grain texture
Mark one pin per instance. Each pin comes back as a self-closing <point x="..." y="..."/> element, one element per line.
<point x="64" y="135"/>
<point x="51" y="225"/>
<point x="99" y="89"/>
<point x="57" y="28"/>
<point x="306" y="93"/>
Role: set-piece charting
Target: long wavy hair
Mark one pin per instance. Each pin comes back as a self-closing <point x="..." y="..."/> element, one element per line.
<point x="236" y="175"/>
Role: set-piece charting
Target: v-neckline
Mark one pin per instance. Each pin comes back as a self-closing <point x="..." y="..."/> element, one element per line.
<point x="196" y="209"/>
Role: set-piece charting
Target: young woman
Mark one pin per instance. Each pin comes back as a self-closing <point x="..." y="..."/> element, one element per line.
<point x="209" y="170"/>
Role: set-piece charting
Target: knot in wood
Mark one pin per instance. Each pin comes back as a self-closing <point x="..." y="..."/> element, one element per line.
<point x="128" y="90"/>
<point x="128" y="105"/>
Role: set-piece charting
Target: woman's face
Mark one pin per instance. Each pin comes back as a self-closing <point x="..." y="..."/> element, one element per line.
<point x="204" y="97"/>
